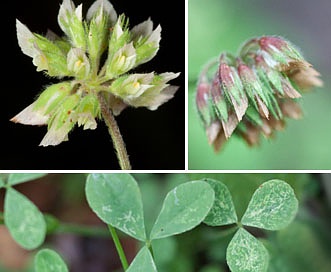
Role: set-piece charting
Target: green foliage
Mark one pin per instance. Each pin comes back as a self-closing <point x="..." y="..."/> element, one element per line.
<point x="48" y="260"/>
<point x="273" y="206"/>
<point x="143" y="262"/>
<point x="223" y="211"/>
<point x="224" y="238"/>
<point x="24" y="221"/>
<point x="183" y="208"/>
<point x="246" y="254"/>
<point x="116" y="199"/>
<point x="17" y="178"/>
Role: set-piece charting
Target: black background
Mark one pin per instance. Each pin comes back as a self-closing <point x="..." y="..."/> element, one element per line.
<point x="154" y="139"/>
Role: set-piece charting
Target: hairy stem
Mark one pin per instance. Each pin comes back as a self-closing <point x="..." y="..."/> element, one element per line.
<point x="115" y="134"/>
<point x="119" y="247"/>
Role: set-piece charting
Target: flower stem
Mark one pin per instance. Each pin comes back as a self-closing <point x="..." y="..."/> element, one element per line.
<point x="119" y="247"/>
<point x="115" y="134"/>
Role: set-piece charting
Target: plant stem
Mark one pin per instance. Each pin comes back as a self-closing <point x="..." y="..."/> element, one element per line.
<point x="119" y="247"/>
<point x="115" y="134"/>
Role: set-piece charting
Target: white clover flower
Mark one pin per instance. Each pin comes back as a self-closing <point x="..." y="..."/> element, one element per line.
<point x="78" y="56"/>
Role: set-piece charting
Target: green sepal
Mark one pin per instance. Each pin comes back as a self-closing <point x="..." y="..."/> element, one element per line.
<point x="89" y="103"/>
<point x="51" y="57"/>
<point x="270" y="94"/>
<point x="151" y="96"/>
<point x="70" y="21"/>
<point x="146" y="41"/>
<point x="87" y="110"/>
<point x="64" y="112"/>
<point x="98" y="35"/>
<point x="122" y="61"/>
<point x="78" y="63"/>
<point x="131" y="86"/>
<point x="52" y="97"/>
<point x="145" y="52"/>
<point x="253" y="115"/>
<point x="221" y="109"/>
<point x="120" y="37"/>
<point x="63" y="44"/>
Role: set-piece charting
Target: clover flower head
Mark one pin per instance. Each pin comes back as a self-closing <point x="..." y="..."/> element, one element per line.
<point x="251" y="94"/>
<point x="96" y="57"/>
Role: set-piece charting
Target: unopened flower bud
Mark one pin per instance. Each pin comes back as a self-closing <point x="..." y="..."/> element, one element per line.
<point x="123" y="60"/>
<point x="146" y="41"/>
<point x="280" y="50"/>
<point x="233" y="88"/>
<point x="268" y="74"/>
<point x="70" y="21"/>
<point x="253" y="88"/>
<point x="144" y="90"/>
<point x="281" y="54"/>
<point x="101" y="16"/>
<point x="78" y="63"/>
<point x="39" y="112"/>
<point x="203" y="102"/>
<point x="62" y="121"/>
<point x="87" y="110"/>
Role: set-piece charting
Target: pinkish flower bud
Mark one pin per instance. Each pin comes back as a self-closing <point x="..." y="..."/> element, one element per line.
<point x="218" y="98"/>
<point x="272" y="76"/>
<point x="253" y="88"/>
<point x="232" y="87"/>
<point x="204" y="102"/>
<point x="280" y="53"/>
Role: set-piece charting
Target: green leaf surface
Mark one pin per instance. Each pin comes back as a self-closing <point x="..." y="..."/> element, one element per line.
<point x="116" y="199"/>
<point x="223" y="211"/>
<point x="17" y="178"/>
<point x="24" y="221"/>
<point x="143" y="262"/>
<point x="48" y="260"/>
<point x="273" y="206"/>
<point x="183" y="208"/>
<point x="246" y="254"/>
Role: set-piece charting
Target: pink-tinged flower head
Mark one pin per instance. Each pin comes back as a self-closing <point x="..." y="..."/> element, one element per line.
<point x="252" y="94"/>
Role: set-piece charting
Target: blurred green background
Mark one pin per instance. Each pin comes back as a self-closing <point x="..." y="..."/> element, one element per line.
<point x="223" y="25"/>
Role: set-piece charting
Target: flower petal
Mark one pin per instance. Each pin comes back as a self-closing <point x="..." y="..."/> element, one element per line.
<point x="102" y="6"/>
<point x="30" y="116"/>
<point x="26" y="39"/>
